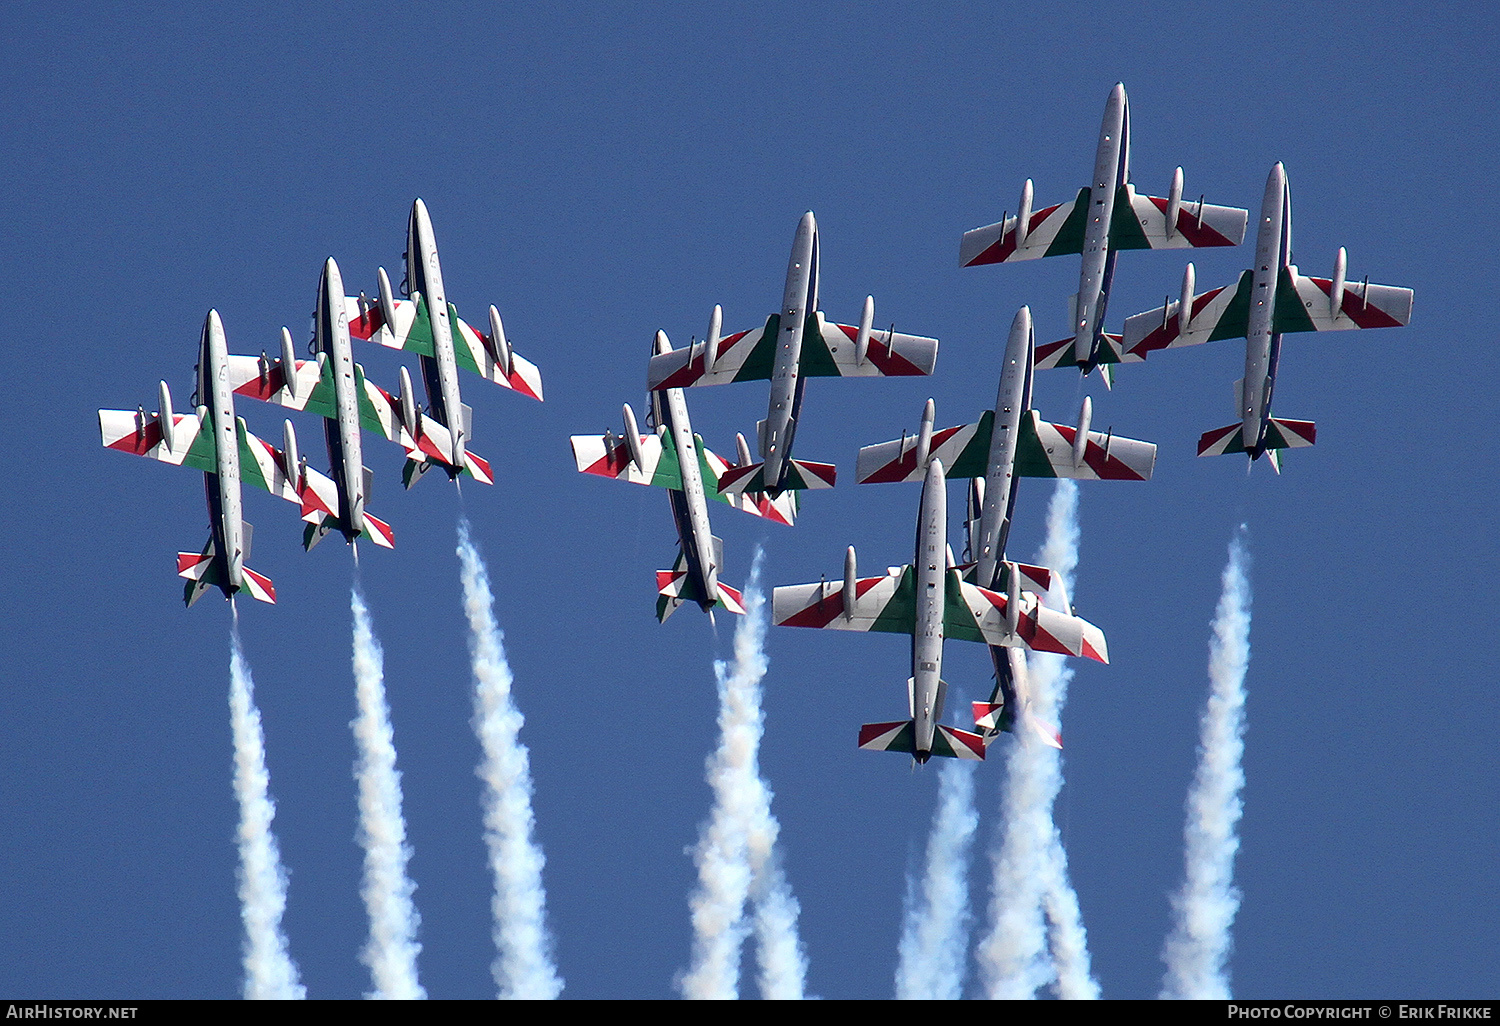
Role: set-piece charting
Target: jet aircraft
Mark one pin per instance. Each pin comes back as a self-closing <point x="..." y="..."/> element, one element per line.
<point x="676" y="459"/>
<point x="213" y="440"/>
<point x="428" y="325"/>
<point x="792" y="346"/>
<point x="930" y="601"/>
<point x="333" y="386"/>
<point x="1007" y="442"/>
<point x="1104" y="218"/>
<point x="1271" y="299"/>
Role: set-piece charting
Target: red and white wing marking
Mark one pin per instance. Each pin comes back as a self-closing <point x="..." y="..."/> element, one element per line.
<point x="481" y="358"/>
<point x="682" y="368"/>
<point x="609" y="456"/>
<point x="887" y="354"/>
<point x="781" y="510"/>
<point x="1146" y="333"/>
<point x="366" y="324"/>
<point x="1040" y="628"/>
<point x="260" y="377"/>
<point x="821" y="605"/>
<point x="996" y="243"/>
<point x="1198" y="223"/>
<point x="1106" y="457"/>
<point x="896" y="460"/>
<point x="1362" y="305"/>
<point x="139" y="434"/>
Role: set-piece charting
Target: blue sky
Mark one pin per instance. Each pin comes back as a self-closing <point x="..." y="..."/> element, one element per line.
<point x="606" y="172"/>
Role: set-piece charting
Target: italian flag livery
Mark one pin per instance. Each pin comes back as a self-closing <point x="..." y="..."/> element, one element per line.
<point x="1043" y="449"/>
<point x="608" y="455"/>
<point x="1268" y="301"/>
<point x="970" y="613"/>
<point x="310" y="387"/>
<point x="1104" y="218"/>
<point x="828" y="351"/>
<point x="410" y="330"/>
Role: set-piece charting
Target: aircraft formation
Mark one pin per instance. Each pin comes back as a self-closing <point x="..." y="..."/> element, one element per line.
<point x="1008" y="606"/>
<point x="212" y="439"/>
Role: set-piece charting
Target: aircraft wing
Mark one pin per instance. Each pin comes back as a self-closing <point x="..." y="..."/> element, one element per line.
<point x="261" y="378"/>
<point x="1305" y="303"/>
<point x="1055" y="231"/>
<point x="781" y="510"/>
<point x="1220" y="313"/>
<point x="473" y="350"/>
<point x="829" y="352"/>
<point x="140" y="434"/>
<point x="1046" y="450"/>
<point x="1140" y="222"/>
<point x="743" y="356"/>
<point x="410" y="330"/>
<point x="609" y="456"/>
<point x="964" y="450"/>
<point x="971" y="613"/>
<point x="978" y="614"/>
<point x="887" y="604"/>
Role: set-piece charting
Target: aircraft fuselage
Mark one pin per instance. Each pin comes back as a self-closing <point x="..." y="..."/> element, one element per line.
<point x="690" y="505"/>
<point x="1111" y="170"/>
<point x="345" y="457"/>
<point x="1012" y="401"/>
<point x="226" y="521"/>
<point x="799" y="300"/>
<point x="440" y="371"/>
<point x="931" y="563"/>
<point x="1273" y="251"/>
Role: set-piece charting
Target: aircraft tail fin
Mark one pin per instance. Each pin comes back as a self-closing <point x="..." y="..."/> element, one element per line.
<point x="379" y="532"/>
<point x="799" y="474"/>
<point x="1280" y="434"/>
<point x="676" y="586"/>
<point x="203" y="570"/>
<point x="900" y="736"/>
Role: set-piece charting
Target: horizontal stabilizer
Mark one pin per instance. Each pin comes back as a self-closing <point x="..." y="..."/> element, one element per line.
<point x="799" y="474"/>
<point x="992" y="717"/>
<point x="204" y="570"/>
<point x="1280" y="434"/>
<point x="900" y="736"/>
<point x="676" y="586"/>
<point x="379" y="532"/>
<point x="1060" y="353"/>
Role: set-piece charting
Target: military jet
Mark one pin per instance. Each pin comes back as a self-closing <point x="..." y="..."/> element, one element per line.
<point x="333" y="386"/>
<point x="213" y="440"/>
<point x="1007" y="442"/>
<point x="676" y="459"/>
<point x="930" y="601"/>
<point x="428" y="325"/>
<point x="1104" y="218"/>
<point x="1271" y="299"/>
<point x="791" y="347"/>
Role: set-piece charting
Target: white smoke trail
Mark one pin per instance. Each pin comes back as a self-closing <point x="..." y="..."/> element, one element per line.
<point x="1069" y="940"/>
<point x="1030" y="883"/>
<point x="935" y="932"/>
<point x="269" y="971"/>
<point x="1198" y="948"/>
<point x="523" y="968"/>
<point x="391" y="952"/>
<point x="736" y="855"/>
